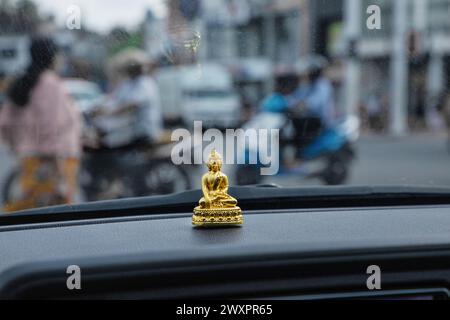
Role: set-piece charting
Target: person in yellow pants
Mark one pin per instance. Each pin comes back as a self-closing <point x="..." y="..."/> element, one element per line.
<point x="45" y="182"/>
<point x="41" y="125"/>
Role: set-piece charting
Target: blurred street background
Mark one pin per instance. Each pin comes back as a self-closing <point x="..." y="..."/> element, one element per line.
<point x="415" y="160"/>
<point x="217" y="60"/>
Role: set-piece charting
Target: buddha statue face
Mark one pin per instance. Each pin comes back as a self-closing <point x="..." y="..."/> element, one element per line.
<point x="214" y="162"/>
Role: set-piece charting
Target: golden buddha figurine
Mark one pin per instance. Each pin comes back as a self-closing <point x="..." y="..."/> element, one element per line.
<point x="216" y="207"/>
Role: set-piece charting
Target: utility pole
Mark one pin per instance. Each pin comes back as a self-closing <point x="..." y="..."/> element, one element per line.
<point x="270" y="40"/>
<point x="399" y="70"/>
<point x="352" y="17"/>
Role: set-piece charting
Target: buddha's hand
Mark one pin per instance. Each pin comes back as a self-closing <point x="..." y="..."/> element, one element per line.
<point x="207" y="202"/>
<point x="213" y="194"/>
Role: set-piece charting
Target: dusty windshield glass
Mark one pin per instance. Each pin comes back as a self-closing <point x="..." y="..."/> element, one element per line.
<point x="104" y="100"/>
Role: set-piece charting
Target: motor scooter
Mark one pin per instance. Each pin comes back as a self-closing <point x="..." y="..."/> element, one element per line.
<point x="307" y="148"/>
<point x="141" y="168"/>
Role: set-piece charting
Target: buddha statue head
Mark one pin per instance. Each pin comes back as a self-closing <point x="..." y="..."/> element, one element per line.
<point x="214" y="161"/>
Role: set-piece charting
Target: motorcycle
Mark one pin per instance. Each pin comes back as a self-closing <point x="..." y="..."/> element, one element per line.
<point x="130" y="172"/>
<point x="134" y="170"/>
<point x="307" y="150"/>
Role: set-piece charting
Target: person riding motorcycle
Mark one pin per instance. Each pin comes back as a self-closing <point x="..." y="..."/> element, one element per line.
<point x="129" y="120"/>
<point x="313" y="102"/>
<point x="132" y="114"/>
<point x="315" y="94"/>
<point x="307" y="96"/>
<point x="302" y="109"/>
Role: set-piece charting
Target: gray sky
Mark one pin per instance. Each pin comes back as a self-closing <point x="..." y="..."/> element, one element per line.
<point x="101" y="15"/>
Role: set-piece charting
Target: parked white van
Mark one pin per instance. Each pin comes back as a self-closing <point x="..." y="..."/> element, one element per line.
<point x="200" y="93"/>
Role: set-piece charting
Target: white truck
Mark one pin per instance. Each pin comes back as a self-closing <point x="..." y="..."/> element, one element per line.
<point x="199" y="93"/>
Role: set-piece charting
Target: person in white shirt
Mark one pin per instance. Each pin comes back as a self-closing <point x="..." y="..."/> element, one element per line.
<point x="317" y="95"/>
<point x="133" y="111"/>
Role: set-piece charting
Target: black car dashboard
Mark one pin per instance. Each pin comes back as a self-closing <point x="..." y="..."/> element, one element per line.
<point x="302" y="253"/>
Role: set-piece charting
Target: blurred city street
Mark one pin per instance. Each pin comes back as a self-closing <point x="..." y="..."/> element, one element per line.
<point x="420" y="159"/>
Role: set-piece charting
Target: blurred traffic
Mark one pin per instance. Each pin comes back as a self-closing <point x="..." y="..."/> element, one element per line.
<point x="87" y="113"/>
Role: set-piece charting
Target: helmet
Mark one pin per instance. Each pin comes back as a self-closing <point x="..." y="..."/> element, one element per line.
<point x="311" y="65"/>
<point x="283" y="70"/>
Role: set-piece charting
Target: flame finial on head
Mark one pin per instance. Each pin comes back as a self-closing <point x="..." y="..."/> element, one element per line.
<point x="214" y="156"/>
<point x="214" y="159"/>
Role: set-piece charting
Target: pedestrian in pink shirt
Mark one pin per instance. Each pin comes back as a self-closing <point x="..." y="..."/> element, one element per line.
<point x="41" y="125"/>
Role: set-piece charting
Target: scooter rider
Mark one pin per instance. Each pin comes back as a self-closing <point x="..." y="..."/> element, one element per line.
<point x="311" y="105"/>
<point x="315" y="94"/>
<point x="128" y="124"/>
<point x="309" y="131"/>
<point x="132" y="115"/>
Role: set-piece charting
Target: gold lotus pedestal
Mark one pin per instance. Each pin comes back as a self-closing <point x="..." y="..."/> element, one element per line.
<point x="227" y="217"/>
<point x="216" y="208"/>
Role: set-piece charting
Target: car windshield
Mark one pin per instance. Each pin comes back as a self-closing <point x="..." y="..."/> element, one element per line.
<point x="107" y="100"/>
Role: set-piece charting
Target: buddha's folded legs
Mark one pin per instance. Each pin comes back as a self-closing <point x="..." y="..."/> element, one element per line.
<point x="231" y="202"/>
<point x="226" y="201"/>
<point x="220" y="201"/>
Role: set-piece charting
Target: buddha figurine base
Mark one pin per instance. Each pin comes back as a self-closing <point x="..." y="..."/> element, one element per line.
<point x="217" y="217"/>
